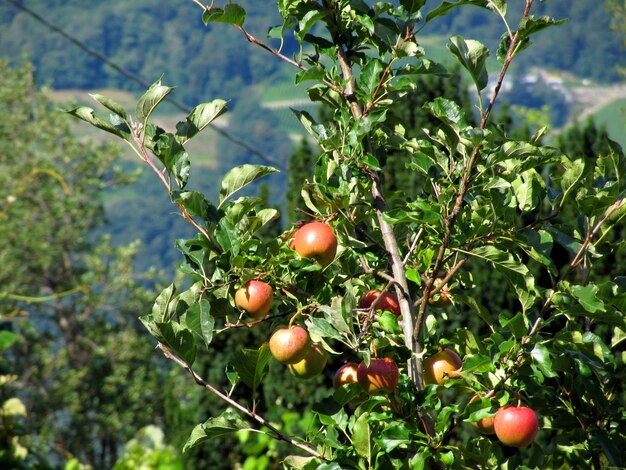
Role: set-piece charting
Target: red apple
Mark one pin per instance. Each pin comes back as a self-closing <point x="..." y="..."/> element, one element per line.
<point x="380" y="377"/>
<point x="388" y="301"/>
<point x="315" y="240"/>
<point x="485" y="425"/>
<point x="345" y="375"/>
<point x="289" y="344"/>
<point x="255" y="298"/>
<point x="311" y="365"/>
<point x="438" y="367"/>
<point x="516" y="427"/>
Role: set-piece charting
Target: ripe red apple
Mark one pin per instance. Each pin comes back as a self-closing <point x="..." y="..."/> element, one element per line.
<point x="315" y="240"/>
<point x="441" y="299"/>
<point x="345" y="375"/>
<point x="485" y="425"/>
<point x="311" y="365"/>
<point x="388" y="301"/>
<point x="289" y="344"/>
<point x="255" y="298"/>
<point x="438" y="367"/>
<point x="380" y="377"/>
<point x="516" y="427"/>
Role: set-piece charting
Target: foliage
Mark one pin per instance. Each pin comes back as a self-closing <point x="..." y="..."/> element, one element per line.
<point x="148" y="451"/>
<point x="483" y="198"/>
<point x="81" y="362"/>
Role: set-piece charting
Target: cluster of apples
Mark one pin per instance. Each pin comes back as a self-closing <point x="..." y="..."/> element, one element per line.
<point x="513" y="426"/>
<point x="292" y="345"/>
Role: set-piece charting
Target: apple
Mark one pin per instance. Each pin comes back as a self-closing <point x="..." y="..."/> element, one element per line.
<point x="380" y="377"/>
<point x="289" y="344"/>
<point x="438" y="367"/>
<point x="311" y="365"/>
<point x="345" y="375"/>
<point x="485" y="425"/>
<point x="516" y="426"/>
<point x="255" y="298"/>
<point x="315" y="240"/>
<point x="441" y="299"/>
<point x="388" y="301"/>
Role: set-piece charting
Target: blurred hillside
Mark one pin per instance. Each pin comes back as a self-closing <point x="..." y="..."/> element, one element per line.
<point x="568" y="66"/>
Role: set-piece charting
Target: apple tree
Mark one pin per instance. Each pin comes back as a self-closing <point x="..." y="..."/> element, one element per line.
<point x="547" y="377"/>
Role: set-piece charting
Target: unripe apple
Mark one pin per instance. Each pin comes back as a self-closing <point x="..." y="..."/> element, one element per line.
<point x="255" y="298"/>
<point x="311" y="365"/>
<point x="438" y="367"/>
<point x="380" y="377"/>
<point x="315" y="240"/>
<point x="516" y="427"/>
<point x="388" y="301"/>
<point x="345" y="375"/>
<point x="485" y="425"/>
<point x="289" y="344"/>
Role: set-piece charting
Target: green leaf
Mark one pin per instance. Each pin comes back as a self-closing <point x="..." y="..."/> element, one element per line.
<point x="150" y="100"/>
<point x="214" y="427"/>
<point x="173" y="155"/>
<point x="178" y="338"/>
<point x="318" y="131"/>
<point x="394" y="435"/>
<point x="516" y="324"/>
<point x="586" y="296"/>
<point x="199" y="118"/>
<point x="531" y="25"/>
<point x="199" y="320"/>
<point x="231" y="14"/>
<point x="412" y="6"/>
<point x="307" y="22"/>
<point x="448" y="111"/>
<point x="446" y="7"/>
<point x="241" y="176"/>
<point x="362" y="436"/>
<point x="111" y="105"/>
<point x="300" y="462"/>
<point x="369" y="79"/>
<point x="165" y="305"/>
<point x="197" y="205"/>
<point x="541" y="358"/>
<point x="527" y="190"/>
<point x="514" y="270"/>
<point x="315" y="72"/>
<point x="251" y="365"/>
<point x="473" y="56"/>
<point x="87" y="114"/>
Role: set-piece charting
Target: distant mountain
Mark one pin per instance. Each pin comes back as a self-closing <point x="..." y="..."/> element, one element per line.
<point x="151" y="38"/>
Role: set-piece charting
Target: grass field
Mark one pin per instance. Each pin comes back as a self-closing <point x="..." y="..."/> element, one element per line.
<point x="613" y="117"/>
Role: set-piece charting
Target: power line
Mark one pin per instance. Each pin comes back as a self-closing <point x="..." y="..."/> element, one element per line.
<point x="131" y="76"/>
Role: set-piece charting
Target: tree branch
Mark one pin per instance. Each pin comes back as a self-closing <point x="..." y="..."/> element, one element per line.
<point x="249" y="413"/>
